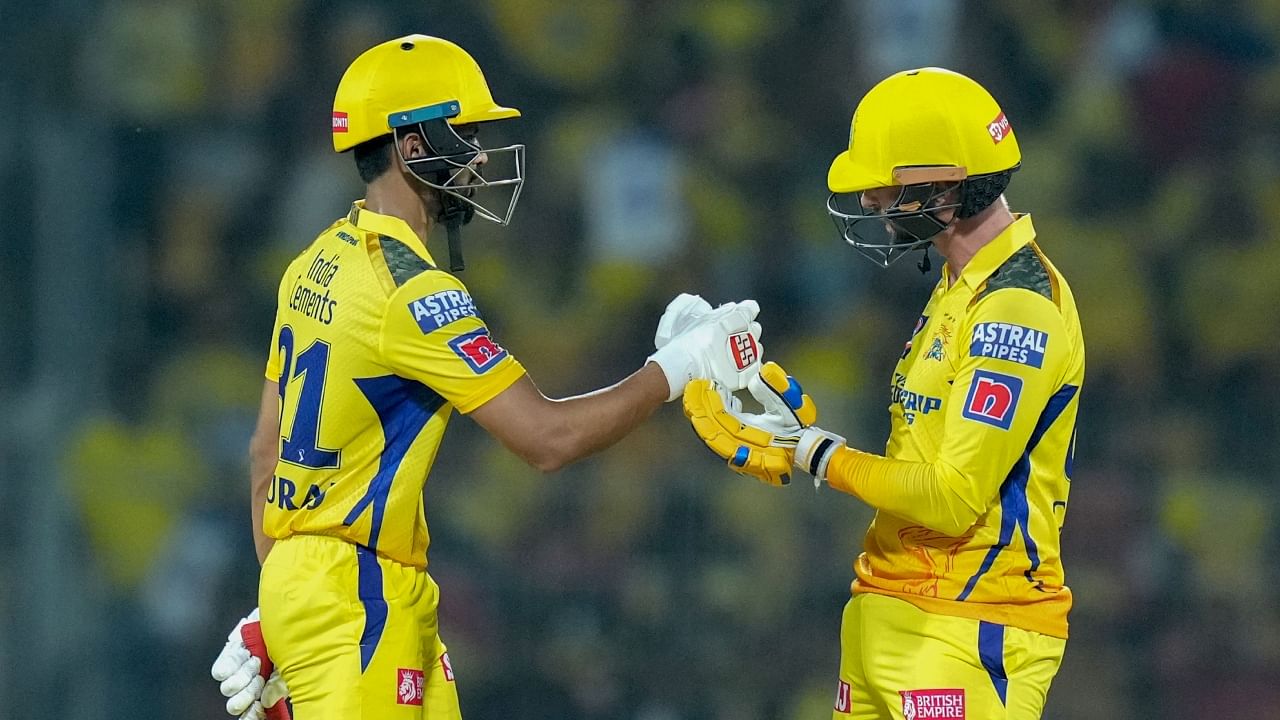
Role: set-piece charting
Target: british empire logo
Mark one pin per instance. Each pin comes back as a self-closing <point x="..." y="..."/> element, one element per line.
<point x="408" y="686"/>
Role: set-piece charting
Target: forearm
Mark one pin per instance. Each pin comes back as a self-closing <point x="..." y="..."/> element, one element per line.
<point x="262" y="464"/>
<point x="914" y="491"/>
<point x="585" y="424"/>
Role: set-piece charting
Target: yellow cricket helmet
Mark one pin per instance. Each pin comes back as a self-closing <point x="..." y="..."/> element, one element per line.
<point x="429" y="86"/>
<point x="923" y="118"/>
<point x="401" y="81"/>
<point x="925" y="130"/>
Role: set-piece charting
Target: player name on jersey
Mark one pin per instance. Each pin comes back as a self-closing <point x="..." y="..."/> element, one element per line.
<point x="1006" y="341"/>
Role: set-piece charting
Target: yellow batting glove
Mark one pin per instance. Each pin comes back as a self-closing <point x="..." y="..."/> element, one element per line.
<point x="781" y="395"/>
<point x="759" y="445"/>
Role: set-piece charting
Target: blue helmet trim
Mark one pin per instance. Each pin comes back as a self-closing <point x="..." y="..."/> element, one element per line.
<point x="446" y="109"/>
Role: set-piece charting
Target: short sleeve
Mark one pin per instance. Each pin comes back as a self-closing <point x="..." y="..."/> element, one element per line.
<point x="432" y="333"/>
<point x="273" y="354"/>
<point x="1015" y="350"/>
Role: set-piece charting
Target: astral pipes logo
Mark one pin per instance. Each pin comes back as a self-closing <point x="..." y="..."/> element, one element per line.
<point x="339" y="122"/>
<point x="999" y="128"/>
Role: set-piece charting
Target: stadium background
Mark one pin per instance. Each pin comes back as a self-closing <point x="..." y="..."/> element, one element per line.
<point x="162" y="160"/>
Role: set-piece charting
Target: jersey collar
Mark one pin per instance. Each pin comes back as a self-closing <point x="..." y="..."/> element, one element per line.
<point x="992" y="255"/>
<point x="388" y="225"/>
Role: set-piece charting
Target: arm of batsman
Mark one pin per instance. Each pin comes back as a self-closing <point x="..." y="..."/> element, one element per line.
<point x="246" y="674"/>
<point x="721" y="344"/>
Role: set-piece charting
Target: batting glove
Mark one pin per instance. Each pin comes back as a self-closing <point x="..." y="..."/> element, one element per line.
<point x="687" y="310"/>
<point x="759" y="445"/>
<point x="245" y="671"/>
<point x="815" y="450"/>
<point x="722" y="345"/>
<point x="780" y="394"/>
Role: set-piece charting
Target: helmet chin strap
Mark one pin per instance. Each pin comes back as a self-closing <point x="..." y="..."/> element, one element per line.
<point x="454" y="213"/>
<point x="925" y="264"/>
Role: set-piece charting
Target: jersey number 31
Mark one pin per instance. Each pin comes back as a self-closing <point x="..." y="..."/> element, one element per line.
<point x="299" y="446"/>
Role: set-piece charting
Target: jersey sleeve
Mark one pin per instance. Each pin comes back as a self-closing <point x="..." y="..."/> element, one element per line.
<point x="432" y="333"/>
<point x="1015" y="349"/>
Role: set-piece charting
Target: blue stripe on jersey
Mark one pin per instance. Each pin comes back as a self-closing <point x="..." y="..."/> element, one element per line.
<point x="375" y="605"/>
<point x="1071" y="451"/>
<point x="1014" y="509"/>
<point x="403" y="407"/>
<point x="991" y="651"/>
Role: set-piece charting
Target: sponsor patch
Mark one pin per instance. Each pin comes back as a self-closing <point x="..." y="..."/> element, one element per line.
<point x="1006" y="341"/>
<point x="933" y="704"/>
<point x="844" y="701"/>
<point x="993" y="398"/>
<point x="446" y="667"/>
<point x="409" y="686"/>
<point x="340" y="123"/>
<point x="911" y="402"/>
<point x="478" y="350"/>
<point x="744" y="349"/>
<point x="436" y="310"/>
<point x="999" y="128"/>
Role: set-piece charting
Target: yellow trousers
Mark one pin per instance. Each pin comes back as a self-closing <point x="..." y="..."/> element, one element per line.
<point x="898" y="662"/>
<point x="354" y="634"/>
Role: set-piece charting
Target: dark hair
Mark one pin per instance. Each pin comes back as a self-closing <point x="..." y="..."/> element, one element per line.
<point x="373" y="157"/>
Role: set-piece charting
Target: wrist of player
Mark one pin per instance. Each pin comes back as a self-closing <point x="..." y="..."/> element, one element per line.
<point x="814" y="451"/>
<point x="678" y="365"/>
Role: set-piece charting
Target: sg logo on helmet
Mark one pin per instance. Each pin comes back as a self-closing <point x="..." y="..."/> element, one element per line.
<point x="744" y="349"/>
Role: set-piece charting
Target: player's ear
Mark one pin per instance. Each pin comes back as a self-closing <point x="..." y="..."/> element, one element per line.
<point x="412" y="147"/>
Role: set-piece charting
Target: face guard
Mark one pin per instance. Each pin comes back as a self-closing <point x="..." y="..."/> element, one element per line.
<point x="885" y="235"/>
<point x="458" y="168"/>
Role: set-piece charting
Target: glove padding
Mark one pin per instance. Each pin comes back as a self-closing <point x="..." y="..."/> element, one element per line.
<point x="781" y="395"/>
<point x="759" y="445"/>
<point x="695" y="341"/>
<point x="686" y="311"/>
<point x="272" y="705"/>
<point x="246" y="672"/>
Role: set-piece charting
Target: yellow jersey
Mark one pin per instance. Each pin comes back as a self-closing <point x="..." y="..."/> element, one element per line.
<point x="373" y="348"/>
<point x="983" y="404"/>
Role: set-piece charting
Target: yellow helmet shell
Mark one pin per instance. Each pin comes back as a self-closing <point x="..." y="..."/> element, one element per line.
<point x="408" y="74"/>
<point x="929" y="117"/>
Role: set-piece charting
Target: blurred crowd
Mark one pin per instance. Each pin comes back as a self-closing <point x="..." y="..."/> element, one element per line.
<point x="672" y="146"/>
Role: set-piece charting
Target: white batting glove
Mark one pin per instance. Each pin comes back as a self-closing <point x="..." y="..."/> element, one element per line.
<point x="243" y="668"/>
<point x="271" y="706"/>
<point x="815" y="450"/>
<point x="723" y="346"/>
<point x="686" y="310"/>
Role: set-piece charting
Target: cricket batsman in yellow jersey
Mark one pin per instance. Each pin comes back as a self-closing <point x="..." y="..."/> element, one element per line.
<point x="959" y="609"/>
<point x="374" y="347"/>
